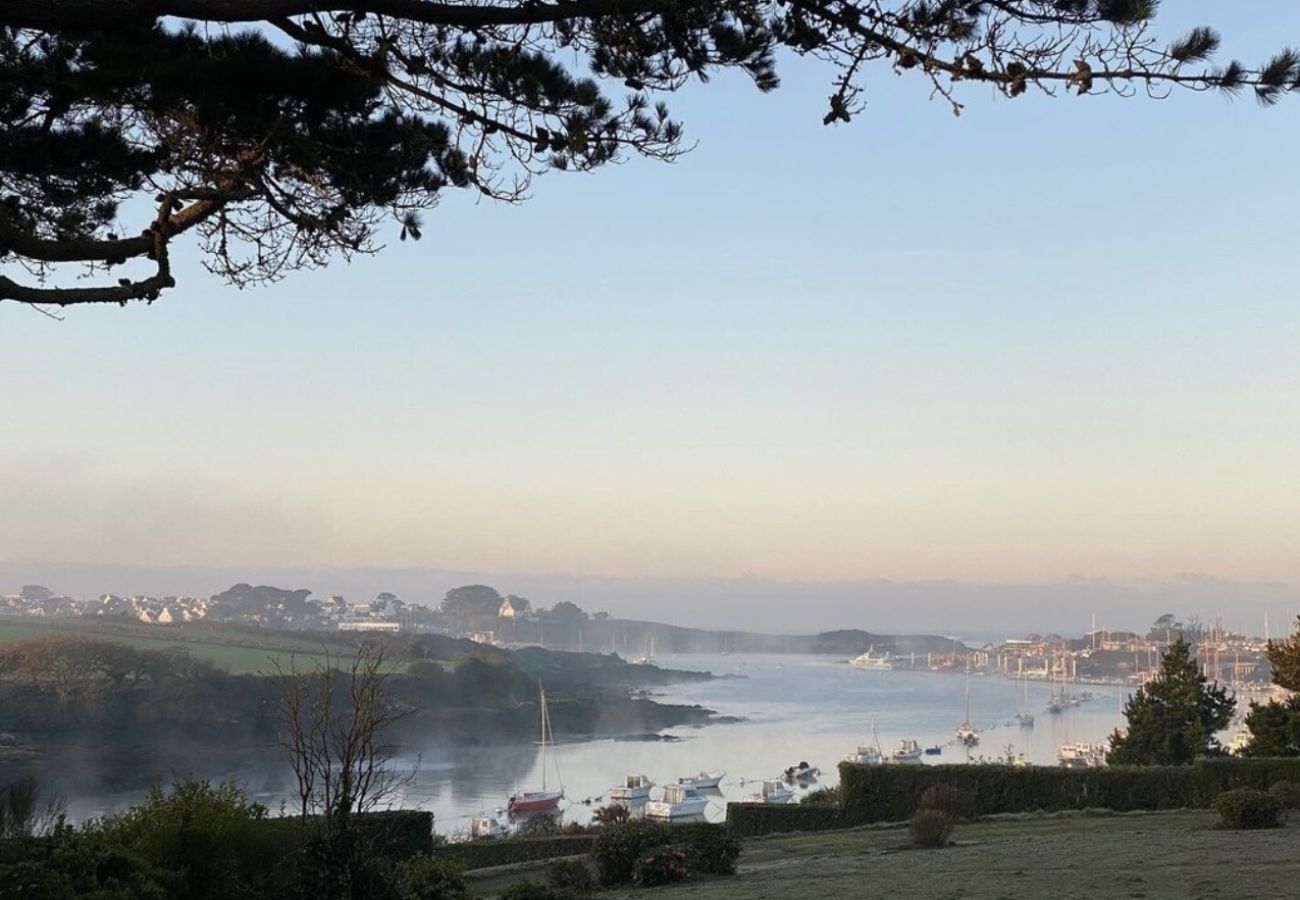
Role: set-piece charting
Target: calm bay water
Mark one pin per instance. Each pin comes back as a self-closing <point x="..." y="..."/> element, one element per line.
<point x="795" y="708"/>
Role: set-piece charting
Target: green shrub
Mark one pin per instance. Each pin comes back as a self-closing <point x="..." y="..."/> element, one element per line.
<point x="74" y="864"/>
<point x="209" y="835"/>
<point x="1245" y="808"/>
<point x="826" y="796"/>
<point x="661" y="865"/>
<point x="571" y="877"/>
<point x="930" y="827"/>
<point x="617" y="849"/>
<point x="1287" y="793"/>
<point x="755" y="819"/>
<point x="955" y="801"/>
<point x="614" y="814"/>
<point x="428" y="878"/>
<point x="713" y="849"/>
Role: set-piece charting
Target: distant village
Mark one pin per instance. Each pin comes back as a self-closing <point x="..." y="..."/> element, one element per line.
<point x="476" y="612"/>
<point x="480" y="613"/>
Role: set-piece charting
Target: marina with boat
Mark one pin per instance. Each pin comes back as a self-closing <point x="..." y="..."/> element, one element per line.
<point x="903" y="716"/>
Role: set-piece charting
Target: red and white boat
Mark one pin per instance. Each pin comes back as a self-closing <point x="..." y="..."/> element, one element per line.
<point x="526" y="803"/>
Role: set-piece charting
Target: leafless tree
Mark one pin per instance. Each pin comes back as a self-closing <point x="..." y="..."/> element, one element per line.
<point x="334" y="721"/>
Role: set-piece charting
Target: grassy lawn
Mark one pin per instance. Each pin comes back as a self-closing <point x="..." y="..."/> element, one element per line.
<point x="1156" y="856"/>
<point x="236" y="652"/>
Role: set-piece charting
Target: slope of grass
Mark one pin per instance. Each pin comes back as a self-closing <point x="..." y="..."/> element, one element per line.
<point x="1150" y="856"/>
<point x="236" y="651"/>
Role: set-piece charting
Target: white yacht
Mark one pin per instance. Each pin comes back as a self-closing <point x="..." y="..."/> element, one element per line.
<point x="907" y="751"/>
<point x="633" y="788"/>
<point x="703" y="781"/>
<point x="679" y="801"/>
<point x="872" y="663"/>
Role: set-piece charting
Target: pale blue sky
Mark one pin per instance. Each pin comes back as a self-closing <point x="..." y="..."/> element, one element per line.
<point x="1051" y="336"/>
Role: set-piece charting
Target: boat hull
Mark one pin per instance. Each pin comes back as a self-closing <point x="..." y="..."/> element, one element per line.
<point x="703" y="782"/>
<point x="687" y="809"/>
<point x="539" y="801"/>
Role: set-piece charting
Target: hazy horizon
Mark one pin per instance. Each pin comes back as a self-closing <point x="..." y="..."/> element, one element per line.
<point x="952" y="608"/>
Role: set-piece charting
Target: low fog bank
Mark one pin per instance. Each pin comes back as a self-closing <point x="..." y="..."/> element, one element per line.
<point x="948" y="607"/>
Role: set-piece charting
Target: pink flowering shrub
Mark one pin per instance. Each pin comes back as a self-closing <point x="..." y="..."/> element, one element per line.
<point x="662" y="865"/>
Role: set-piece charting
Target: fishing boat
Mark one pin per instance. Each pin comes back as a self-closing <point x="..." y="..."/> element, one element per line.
<point x="703" y="781"/>
<point x="865" y="755"/>
<point x="967" y="734"/>
<point x="907" y="751"/>
<point x="870" y="662"/>
<point x="868" y="754"/>
<point x="774" y="791"/>
<point x="679" y="801"/>
<point x="633" y="788"/>
<point x="546" y="800"/>
<point x="936" y="750"/>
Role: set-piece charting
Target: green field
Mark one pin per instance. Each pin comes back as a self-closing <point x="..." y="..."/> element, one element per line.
<point x="235" y="651"/>
<point x="1147" y="856"/>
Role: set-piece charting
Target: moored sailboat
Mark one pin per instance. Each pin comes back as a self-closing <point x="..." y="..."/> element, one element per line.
<point x="546" y="800"/>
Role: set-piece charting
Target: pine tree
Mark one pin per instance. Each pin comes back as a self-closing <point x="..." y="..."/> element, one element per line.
<point x="1275" y="726"/>
<point x="287" y="133"/>
<point x="1173" y="719"/>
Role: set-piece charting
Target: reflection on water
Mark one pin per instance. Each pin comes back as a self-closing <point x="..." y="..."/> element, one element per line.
<point x="796" y="709"/>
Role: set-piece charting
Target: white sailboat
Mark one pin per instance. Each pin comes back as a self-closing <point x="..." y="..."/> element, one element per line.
<point x="1025" y="718"/>
<point x="545" y="800"/>
<point x="967" y="734"/>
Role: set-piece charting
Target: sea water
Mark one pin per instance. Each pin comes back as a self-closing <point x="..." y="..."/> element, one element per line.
<point x="793" y="709"/>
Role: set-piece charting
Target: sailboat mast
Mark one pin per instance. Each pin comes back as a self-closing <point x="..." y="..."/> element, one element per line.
<point x="541" y="693"/>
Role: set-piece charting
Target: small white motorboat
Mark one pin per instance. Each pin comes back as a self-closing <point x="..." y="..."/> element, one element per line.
<point x="679" y="801"/>
<point x="633" y="788"/>
<point x="486" y="827"/>
<point x="703" y="781"/>
<point x="774" y="791"/>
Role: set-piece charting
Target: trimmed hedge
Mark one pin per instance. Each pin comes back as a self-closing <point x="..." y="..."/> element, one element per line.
<point x="504" y="851"/>
<point x="892" y="793"/>
<point x="756" y="819"/>
<point x="395" y="835"/>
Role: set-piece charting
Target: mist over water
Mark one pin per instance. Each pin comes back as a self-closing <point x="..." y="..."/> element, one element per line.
<point x="795" y="708"/>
